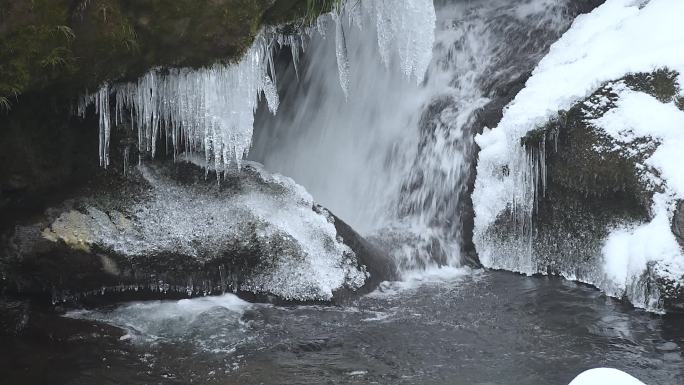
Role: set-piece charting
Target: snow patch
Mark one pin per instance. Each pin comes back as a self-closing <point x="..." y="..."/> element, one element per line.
<point x="602" y="376"/>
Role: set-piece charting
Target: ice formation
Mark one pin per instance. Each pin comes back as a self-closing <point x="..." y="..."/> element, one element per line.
<point x="619" y="37"/>
<point x="208" y="110"/>
<point x="174" y="321"/>
<point x="405" y="28"/>
<point x="212" y="110"/>
<point x="305" y="258"/>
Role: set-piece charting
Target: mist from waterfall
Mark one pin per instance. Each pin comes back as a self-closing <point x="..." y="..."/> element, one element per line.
<point x="389" y="156"/>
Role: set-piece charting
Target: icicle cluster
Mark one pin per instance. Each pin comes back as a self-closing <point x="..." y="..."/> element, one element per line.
<point x="209" y="110"/>
<point x="407" y="29"/>
<point x="212" y="110"/>
<point x="101" y="101"/>
<point x="405" y="33"/>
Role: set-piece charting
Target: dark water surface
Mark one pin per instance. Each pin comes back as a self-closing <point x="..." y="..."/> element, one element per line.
<point x="459" y="328"/>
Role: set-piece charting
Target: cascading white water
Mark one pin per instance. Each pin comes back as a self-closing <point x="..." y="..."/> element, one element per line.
<point x="376" y="121"/>
<point x="391" y="156"/>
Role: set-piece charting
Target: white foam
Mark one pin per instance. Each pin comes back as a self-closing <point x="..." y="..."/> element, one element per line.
<point x="167" y="320"/>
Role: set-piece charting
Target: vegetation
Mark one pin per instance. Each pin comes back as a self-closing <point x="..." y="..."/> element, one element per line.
<point x="661" y="84"/>
<point x="73" y="45"/>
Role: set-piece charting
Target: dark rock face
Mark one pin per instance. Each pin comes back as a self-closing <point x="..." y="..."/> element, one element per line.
<point x="166" y="231"/>
<point x="44" y="153"/>
<point x="501" y="88"/>
<point x="678" y="223"/>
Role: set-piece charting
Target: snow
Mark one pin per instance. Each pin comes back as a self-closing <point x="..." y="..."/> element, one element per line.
<point x="617" y="38"/>
<point x="628" y="250"/>
<point x="639" y="115"/>
<point x="603" y="376"/>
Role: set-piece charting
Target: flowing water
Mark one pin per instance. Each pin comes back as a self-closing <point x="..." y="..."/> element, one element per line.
<point x="391" y="157"/>
<point x="451" y="327"/>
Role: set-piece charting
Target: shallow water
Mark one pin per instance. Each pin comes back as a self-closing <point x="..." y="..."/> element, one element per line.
<point x="455" y="327"/>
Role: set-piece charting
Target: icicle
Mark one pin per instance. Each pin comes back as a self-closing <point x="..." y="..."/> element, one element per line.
<point x="407" y="28"/>
<point x="342" y="57"/>
<point x="102" y="109"/>
<point x="209" y="110"/>
<point x="212" y="110"/>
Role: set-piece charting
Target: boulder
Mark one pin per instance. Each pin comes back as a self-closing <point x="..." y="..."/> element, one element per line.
<point x="170" y="229"/>
<point x="591" y="185"/>
<point x="678" y="223"/>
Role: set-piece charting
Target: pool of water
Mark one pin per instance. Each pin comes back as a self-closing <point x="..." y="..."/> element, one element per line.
<point x="450" y="327"/>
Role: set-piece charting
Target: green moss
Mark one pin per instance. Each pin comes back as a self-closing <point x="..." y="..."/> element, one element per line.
<point x="661" y="84"/>
<point x="74" y="45"/>
<point x="533" y="137"/>
<point x="36" y="51"/>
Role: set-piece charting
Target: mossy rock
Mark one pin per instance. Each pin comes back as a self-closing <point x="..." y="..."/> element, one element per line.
<point x="594" y="184"/>
<point x="73" y="45"/>
<point x="661" y="84"/>
<point x="583" y="159"/>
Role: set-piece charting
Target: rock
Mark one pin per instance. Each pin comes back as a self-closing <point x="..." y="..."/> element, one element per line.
<point x="594" y="185"/>
<point x="168" y="229"/>
<point x="678" y="223"/>
<point x="68" y="46"/>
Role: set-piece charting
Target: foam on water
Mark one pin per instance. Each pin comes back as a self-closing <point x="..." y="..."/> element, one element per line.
<point x="175" y="321"/>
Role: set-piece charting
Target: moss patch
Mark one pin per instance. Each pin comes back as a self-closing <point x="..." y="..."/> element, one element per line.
<point x="586" y="160"/>
<point x="661" y="84"/>
<point x="73" y="45"/>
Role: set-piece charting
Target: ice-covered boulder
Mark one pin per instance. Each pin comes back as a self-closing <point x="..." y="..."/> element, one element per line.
<point x="169" y="228"/>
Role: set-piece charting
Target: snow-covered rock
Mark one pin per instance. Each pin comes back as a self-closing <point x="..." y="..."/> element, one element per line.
<point x="582" y="176"/>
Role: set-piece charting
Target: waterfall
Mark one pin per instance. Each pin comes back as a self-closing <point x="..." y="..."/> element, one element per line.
<point x="392" y="156"/>
<point x="375" y="114"/>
